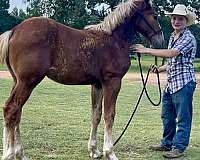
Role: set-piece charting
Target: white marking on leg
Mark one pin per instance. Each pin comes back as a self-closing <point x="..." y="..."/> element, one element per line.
<point x="8" y="144"/>
<point x="19" y="151"/>
<point x="96" y="116"/>
<point x="108" y="146"/>
<point x="107" y="142"/>
<point x="93" y="138"/>
<point x="92" y="144"/>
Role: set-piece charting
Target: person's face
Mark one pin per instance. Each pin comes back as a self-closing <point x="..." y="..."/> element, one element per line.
<point x="178" y="22"/>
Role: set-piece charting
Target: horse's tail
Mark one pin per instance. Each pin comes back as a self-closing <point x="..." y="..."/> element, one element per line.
<point x="4" y="44"/>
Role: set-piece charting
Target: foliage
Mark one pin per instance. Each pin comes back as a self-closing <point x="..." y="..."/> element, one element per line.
<point x="7" y="21"/>
<point x="19" y="14"/>
<point x="79" y="13"/>
<point x="4" y="5"/>
<point x="75" y="13"/>
<point x="72" y="13"/>
<point x="40" y="8"/>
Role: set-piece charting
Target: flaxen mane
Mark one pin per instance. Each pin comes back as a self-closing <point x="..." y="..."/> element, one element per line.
<point x="115" y="18"/>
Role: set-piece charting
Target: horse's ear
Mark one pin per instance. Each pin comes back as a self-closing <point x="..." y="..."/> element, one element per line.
<point x="146" y="1"/>
<point x="139" y="0"/>
<point x="139" y="3"/>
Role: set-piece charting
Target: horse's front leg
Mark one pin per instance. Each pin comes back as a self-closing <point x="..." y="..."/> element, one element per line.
<point x="97" y="96"/>
<point x="111" y="89"/>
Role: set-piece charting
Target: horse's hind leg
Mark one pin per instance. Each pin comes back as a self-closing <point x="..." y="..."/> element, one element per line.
<point x="111" y="89"/>
<point x="97" y="96"/>
<point x="12" y="147"/>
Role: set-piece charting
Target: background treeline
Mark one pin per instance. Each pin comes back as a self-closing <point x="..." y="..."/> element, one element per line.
<point x="79" y="13"/>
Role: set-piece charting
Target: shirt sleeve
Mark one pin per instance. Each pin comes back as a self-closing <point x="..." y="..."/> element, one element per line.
<point x="184" y="45"/>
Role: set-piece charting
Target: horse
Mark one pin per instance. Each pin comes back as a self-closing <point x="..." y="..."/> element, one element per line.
<point x="97" y="55"/>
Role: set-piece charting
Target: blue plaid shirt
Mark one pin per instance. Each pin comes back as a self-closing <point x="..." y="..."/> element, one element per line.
<point x="180" y="69"/>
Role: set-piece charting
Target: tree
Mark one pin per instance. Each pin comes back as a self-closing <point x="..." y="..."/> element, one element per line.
<point x="36" y="8"/>
<point x="18" y="14"/>
<point x="22" y="15"/>
<point x="15" y="12"/>
<point x="75" y="13"/>
<point x="72" y="13"/>
<point x="7" y="21"/>
<point x="4" y="5"/>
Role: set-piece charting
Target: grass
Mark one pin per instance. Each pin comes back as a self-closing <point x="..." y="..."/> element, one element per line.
<point x="3" y="67"/>
<point x="56" y="123"/>
<point x="146" y="61"/>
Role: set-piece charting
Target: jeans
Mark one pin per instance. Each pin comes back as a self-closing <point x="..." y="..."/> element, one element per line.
<point x="177" y="117"/>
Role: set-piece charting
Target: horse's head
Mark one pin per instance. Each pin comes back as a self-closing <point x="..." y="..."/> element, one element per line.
<point x="146" y="23"/>
<point x="139" y="13"/>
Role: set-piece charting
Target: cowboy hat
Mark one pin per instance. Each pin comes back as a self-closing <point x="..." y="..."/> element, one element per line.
<point x="182" y="10"/>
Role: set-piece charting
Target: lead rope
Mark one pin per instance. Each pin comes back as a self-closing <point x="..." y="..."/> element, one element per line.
<point x="139" y="99"/>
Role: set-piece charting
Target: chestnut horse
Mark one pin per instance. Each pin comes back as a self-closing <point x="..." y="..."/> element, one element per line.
<point x="97" y="55"/>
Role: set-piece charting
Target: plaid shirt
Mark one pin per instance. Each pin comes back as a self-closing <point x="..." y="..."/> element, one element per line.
<point x="180" y="69"/>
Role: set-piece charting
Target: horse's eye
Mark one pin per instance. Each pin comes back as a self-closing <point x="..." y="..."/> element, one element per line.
<point x="156" y="17"/>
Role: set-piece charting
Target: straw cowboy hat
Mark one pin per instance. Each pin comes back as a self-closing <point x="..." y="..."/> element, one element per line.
<point x="182" y="10"/>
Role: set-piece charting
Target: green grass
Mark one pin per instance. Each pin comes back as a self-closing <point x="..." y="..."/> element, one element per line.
<point x="56" y="123"/>
<point x="146" y="61"/>
<point x="3" y="67"/>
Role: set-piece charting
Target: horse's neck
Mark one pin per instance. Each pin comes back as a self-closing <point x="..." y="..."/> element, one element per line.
<point x="126" y="31"/>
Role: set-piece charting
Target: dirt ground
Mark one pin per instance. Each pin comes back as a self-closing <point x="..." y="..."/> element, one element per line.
<point x="130" y="76"/>
<point x="153" y="78"/>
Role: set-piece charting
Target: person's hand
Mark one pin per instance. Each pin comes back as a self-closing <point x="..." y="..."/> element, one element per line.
<point x="138" y="48"/>
<point x="154" y="69"/>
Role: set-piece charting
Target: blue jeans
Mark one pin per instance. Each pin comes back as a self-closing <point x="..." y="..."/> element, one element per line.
<point x="177" y="117"/>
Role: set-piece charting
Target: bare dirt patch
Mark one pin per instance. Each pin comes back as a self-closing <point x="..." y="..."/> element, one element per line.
<point x="153" y="78"/>
<point x="136" y="77"/>
<point x="130" y="76"/>
<point x="5" y="75"/>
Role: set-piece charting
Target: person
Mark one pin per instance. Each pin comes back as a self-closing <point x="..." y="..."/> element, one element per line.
<point x="181" y="83"/>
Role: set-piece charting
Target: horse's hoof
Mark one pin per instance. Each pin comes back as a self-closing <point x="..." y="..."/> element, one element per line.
<point x="9" y="157"/>
<point x="25" y="158"/>
<point x="96" y="154"/>
<point x="110" y="156"/>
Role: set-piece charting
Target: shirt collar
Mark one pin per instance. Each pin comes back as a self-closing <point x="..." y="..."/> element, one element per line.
<point x="182" y="32"/>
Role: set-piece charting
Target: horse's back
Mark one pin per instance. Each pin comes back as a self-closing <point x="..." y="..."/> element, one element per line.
<point x="34" y="43"/>
<point x="40" y="31"/>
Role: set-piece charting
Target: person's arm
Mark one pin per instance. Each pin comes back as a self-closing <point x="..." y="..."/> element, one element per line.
<point x="160" y="69"/>
<point x="165" y="53"/>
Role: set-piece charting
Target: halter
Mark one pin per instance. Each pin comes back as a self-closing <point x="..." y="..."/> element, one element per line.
<point x="139" y="12"/>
